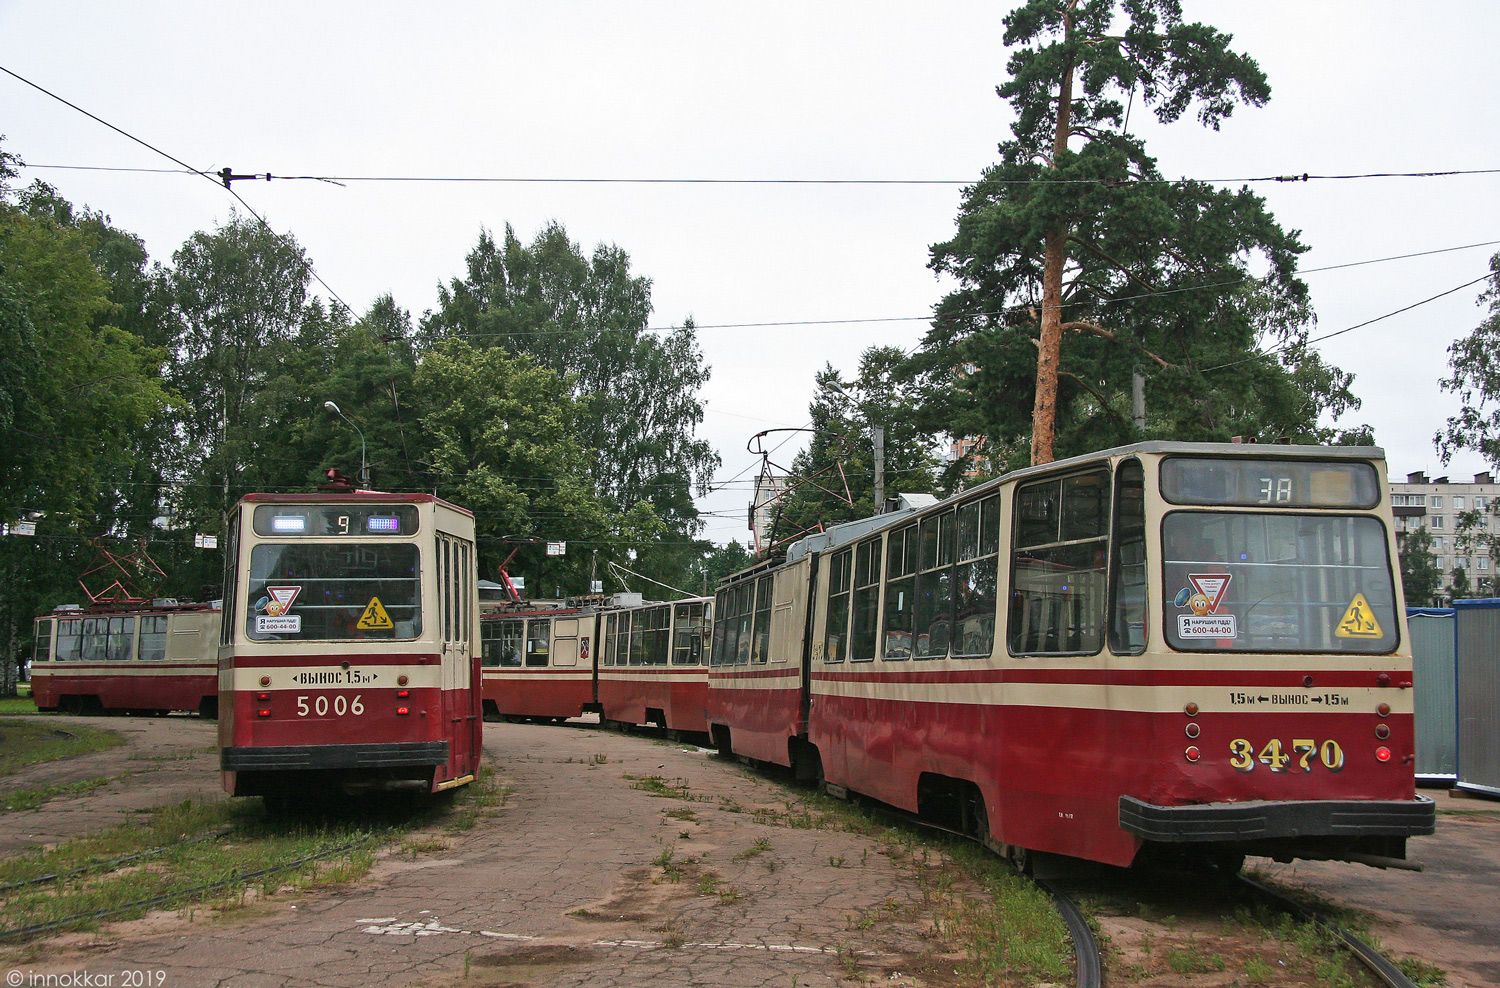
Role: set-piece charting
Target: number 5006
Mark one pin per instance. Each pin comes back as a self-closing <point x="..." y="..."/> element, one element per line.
<point x="321" y="706"/>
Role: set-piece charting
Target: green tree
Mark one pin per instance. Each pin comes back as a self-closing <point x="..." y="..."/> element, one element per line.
<point x="1459" y="588"/>
<point x="1076" y="234"/>
<point x="844" y="417"/>
<point x="500" y="434"/>
<point x="75" y="389"/>
<point x="239" y="298"/>
<point x="1420" y="577"/>
<point x="637" y="391"/>
<point x="1474" y="362"/>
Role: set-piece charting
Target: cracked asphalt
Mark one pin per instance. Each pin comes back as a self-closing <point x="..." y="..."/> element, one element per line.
<point x="583" y="876"/>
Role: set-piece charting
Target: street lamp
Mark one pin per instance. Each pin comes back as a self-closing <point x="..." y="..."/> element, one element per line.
<point x="877" y="443"/>
<point x="364" y="471"/>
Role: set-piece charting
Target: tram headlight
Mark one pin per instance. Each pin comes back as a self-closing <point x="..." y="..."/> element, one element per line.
<point x="401" y="680"/>
<point x="1191" y="709"/>
<point x="1384" y="710"/>
<point x="265" y="680"/>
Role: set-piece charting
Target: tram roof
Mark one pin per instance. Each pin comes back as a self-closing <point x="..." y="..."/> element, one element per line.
<point x="850" y="531"/>
<point x="352" y="497"/>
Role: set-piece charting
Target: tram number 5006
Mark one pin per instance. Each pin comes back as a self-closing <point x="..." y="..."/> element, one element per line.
<point x="322" y="706"/>
<point x="1244" y="757"/>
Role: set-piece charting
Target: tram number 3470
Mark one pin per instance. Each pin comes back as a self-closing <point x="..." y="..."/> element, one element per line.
<point x="322" y="706"/>
<point x="1244" y="757"/>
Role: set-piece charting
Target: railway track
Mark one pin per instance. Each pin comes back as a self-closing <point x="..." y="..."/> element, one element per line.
<point x="1379" y="965"/>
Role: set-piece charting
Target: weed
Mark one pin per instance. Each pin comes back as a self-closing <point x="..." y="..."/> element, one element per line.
<point x="583" y="914"/>
<point x="599" y="759"/>
<point x="729" y="805"/>
<point x="672" y="935"/>
<point x="413" y="846"/>
<point x="685" y="813"/>
<point x="848" y="960"/>
<point x="836" y="862"/>
<point x="1258" y="970"/>
<point x="761" y="846"/>
<point x="1192" y="960"/>
<point x="1422" y="974"/>
<point x="655" y="785"/>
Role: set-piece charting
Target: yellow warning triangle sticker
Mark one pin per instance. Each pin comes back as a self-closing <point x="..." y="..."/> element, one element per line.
<point x="376" y="619"/>
<point x="1359" y="620"/>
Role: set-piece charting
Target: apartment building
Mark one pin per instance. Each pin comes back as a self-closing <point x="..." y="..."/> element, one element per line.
<point x="1436" y="504"/>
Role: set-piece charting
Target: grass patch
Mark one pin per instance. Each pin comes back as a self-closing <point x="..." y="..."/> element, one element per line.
<point x="17" y="705"/>
<point x="28" y="742"/>
<point x="219" y="857"/>
<point x="29" y="799"/>
<point x="655" y="785"/>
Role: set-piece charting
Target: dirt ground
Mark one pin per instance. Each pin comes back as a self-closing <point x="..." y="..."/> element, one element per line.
<point x="583" y="877"/>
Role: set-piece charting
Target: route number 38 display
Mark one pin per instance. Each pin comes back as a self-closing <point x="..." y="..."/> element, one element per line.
<point x="1244" y="757"/>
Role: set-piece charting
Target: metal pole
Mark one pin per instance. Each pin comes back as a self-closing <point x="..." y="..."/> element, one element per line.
<point x="364" y="469"/>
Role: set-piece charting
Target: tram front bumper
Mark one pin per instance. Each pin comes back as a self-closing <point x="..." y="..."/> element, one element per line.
<point x="1272" y="820"/>
<point x="303" y="757"/>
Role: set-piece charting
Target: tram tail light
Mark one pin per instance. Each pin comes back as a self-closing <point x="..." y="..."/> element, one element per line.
<point x="1383" y="754"/>
<point x="263" y="712"/>
<point x="262" y="701"/>
<point x="403" y="711"/>
<point x="403" y="694"/>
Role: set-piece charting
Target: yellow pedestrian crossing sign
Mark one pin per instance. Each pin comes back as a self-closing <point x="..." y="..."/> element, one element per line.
<point x="376" y="619"/>
<point x="1359" y="620"/>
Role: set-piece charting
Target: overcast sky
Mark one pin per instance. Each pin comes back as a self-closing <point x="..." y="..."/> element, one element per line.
<point x="807" y="90"/>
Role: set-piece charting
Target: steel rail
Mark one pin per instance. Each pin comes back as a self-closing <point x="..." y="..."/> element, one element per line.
<point x="1388" y="973"/>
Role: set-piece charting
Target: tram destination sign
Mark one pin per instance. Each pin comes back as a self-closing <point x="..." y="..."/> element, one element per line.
<point x="1267" y="483"/>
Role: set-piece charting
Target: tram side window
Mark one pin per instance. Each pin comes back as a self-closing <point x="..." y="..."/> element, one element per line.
<point x="744" y="608"/>
<point x="866" y="601"/>
<point x="69" y="640"/>
<point x="1058" y="589"/>
<point x="836" y="621"/>
<point x="95" y="640"/>
<point x="932" y="620"/>
<point x="762" y="649"/>
<point x="538" y="641"/>
<point x="153" y="637"/>
<point x="655" y="621"/>
<point x="1127" y="562"/>
<point x="501" y="644"/>
<point x="42" y="650"/>
<point x="976" y="577"/>
<point x="607" y="645"/>
<point x="231" y="577"/>
<point x="900" y="581"/>
<point x="687" y="635"/>
<point x="724" y="643"/>
<point x="121" y="646"/>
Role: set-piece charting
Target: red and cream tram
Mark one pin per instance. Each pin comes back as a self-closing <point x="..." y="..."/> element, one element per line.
<point x="349" y="655"/>
<point x="149" y="658"/>
<point x="1167" y="646"/>
<point x="653" y="664"/>
<point x="631" y="661"/>
<point x="538" y="661"/>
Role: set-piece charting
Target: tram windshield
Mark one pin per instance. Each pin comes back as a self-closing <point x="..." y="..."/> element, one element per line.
<point x="309" y="592"/>
<point x="1264" y="582"/>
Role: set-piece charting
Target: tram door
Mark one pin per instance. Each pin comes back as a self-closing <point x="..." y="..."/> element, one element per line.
<point x="455" y="563"/>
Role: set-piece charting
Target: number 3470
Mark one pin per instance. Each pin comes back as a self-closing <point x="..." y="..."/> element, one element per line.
<point x="1304" y="752"/>
<point x="323" y="705"/>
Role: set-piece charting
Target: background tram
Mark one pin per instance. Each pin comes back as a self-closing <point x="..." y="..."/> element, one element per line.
<point x="349" y="656"/>
<point x="1161" y="648"/>
<point x="148" y="658"/>
<point x="631" y="661"/>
